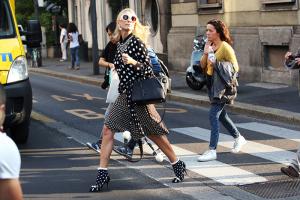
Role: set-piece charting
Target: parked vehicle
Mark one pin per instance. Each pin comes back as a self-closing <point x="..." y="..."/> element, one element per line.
<point x="195" y="78"/>
<point x="14" y="74"/>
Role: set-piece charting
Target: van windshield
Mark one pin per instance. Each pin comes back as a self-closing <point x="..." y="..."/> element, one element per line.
<point x="6" y="21"/>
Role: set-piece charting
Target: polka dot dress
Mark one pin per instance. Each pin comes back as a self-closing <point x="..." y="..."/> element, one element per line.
<point x="125" y="115"/>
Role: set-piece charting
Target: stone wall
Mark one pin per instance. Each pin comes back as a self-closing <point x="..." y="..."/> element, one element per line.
<point x="257" y="29"/>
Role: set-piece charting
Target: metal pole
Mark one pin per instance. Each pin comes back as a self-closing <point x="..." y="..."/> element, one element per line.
<point x="94" y="37"/>
<point x="299" y="83"/>
<point x="36" y="9"/>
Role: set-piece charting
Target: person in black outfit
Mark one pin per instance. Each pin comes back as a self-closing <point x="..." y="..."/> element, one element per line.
<point x="106" y="60"/>
<point x="132" y="63"/>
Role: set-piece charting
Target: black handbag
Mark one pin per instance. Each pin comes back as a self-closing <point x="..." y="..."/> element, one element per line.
<point x="148" y="91"/>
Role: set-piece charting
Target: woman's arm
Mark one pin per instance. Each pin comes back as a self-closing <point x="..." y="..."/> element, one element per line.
<point x="231" y="57"/>
<point x="104" y="63"/>
<point x="142" y="61"/>
<point x="203" y="61"/>
<point x="10" y="189"/>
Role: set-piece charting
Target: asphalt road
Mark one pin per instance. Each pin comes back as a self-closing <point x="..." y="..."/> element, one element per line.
<point x="55" y="150"/>
<point x="55" y="166"/>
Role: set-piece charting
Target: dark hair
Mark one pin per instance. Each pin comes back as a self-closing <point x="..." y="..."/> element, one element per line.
<point x="2" y="95"/>
<point x="72" y="28"/>
<point x="63" y="25"/>
<point x="222" y="29"/>
<point x="111" y="26"/>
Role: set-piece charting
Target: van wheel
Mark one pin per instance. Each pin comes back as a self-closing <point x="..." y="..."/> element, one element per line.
<point x="20" y="132"/>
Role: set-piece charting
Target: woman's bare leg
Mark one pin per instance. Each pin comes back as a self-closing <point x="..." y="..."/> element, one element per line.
<point x="106" y="146"/>
<point x="163" y="143"/>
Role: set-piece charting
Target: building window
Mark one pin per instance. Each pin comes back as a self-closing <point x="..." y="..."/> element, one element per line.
<point x="273" y="57"/>
<point x="117" y="6"/>
<point x="279" y="5"/>
<point x="210" y="6"/>
<point x="152" y="15"/>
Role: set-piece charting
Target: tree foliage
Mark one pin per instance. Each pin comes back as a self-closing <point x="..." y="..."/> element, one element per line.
<point x="24" y="11"/>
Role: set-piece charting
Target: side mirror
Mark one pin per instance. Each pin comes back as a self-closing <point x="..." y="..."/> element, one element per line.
<point x="22" y="34"/>
<point x="33" y="34"/>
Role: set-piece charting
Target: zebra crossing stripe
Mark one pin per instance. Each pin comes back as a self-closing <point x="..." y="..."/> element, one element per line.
<point x="271" y="130"/>
<point x="215" y="170"/>
<point x="253" y="148"/>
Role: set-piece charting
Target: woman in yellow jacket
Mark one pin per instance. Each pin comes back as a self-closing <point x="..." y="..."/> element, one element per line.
<point x="218" y="48"/>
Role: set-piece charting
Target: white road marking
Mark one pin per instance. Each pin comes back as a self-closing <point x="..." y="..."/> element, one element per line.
<point x="271" y="130"/>
<point x="218" y="171"/>
<point x="253" y="148"/>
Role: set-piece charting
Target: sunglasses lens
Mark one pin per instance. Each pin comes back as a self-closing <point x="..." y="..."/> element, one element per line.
<point x="125" y="17"/>
<point x="133" y="18"/>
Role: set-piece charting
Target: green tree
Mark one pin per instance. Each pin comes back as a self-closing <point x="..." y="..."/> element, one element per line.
<point x="24" y="11"/>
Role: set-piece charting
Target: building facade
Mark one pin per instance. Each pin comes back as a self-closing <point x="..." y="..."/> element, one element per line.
<point x="262" y="30"/>
<point x="155" y="13"/>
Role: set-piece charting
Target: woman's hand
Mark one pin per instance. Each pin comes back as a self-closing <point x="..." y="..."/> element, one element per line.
<point x="128" y="60"/>
<point x="111" y="66"/>
<point x="298" y="60"/>
<point x="70" y="38"/>
<point x="206" y="47"/>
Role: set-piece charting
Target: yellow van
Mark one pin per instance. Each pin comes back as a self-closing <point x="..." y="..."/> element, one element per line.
<point x="14" y="75"/>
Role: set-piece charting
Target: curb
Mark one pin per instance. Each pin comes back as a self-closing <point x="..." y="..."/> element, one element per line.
<point x="71" y="77"/>
<point x="192" y="99"/>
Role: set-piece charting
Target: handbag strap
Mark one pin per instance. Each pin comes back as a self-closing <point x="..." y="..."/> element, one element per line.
<point x="130" y="159"/>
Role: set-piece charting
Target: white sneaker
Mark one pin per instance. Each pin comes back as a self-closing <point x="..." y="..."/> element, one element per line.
<point x="238" y="144"/>
<point x="208" y="155"/>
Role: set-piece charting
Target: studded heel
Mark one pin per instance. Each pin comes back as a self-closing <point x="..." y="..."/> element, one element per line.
<point x="102" y="178"/>
<point x="179" y="170"/>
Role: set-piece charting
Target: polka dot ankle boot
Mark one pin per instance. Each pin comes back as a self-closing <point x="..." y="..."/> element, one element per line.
<point x="179" y="170"/>
<point x="101" y="179"/>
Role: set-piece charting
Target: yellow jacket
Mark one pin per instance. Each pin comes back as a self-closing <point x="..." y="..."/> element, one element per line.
<point x="224" y="53"/>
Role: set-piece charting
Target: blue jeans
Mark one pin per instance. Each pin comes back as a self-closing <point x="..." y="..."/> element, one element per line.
<point x="75" y="56"/>
<point x="218" y="113"/>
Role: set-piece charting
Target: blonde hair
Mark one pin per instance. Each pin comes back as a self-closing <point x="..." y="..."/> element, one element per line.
<point x="140" y="31"/>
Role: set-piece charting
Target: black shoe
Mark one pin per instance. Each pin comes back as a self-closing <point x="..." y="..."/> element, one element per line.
<point x="124" y="151"/>
<point x="290" y="171"/>
<point x="101" y="179"/>
<point x="179" y="170"/>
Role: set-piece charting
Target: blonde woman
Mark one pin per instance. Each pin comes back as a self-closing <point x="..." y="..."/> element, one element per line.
<point x="132" y="62"/>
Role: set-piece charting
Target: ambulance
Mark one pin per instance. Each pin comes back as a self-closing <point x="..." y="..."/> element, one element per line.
<point x="14" y="75"/>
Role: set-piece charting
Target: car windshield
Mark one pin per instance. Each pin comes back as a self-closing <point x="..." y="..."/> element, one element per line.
<point x="6" y="21"/>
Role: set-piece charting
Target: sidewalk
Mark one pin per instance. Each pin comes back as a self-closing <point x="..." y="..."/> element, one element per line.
<point x="270" y="101"/>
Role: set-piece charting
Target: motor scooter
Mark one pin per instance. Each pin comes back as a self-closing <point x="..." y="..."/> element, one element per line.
<point x="195" y="77"/>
